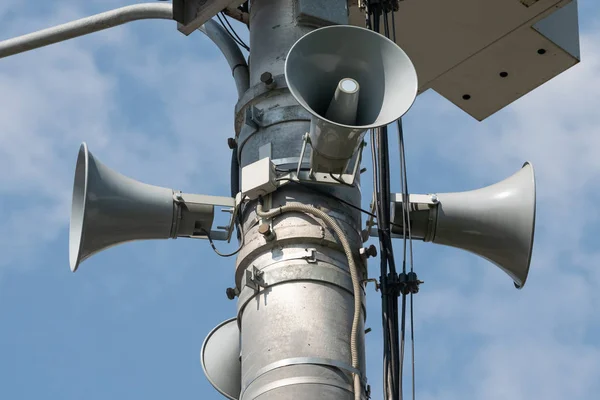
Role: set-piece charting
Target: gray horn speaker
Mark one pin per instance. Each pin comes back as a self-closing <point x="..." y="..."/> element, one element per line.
<point x="109" y="208"/>
<point x="350" y="79"/>
<point x="496" y="222"/>
<point x="220" y="359"/>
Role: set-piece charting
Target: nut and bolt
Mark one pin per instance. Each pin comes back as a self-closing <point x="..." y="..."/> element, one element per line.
<point x="265" y="230"/>
<point x="266" y="78"/>
<point x="367" y="252"/>
<point x="231" y="143"/>
<point x="231" y="293"/>
<point x="434" y="198"/>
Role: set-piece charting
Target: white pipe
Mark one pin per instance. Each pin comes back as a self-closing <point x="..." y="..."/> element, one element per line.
<point x="84" y="26"/>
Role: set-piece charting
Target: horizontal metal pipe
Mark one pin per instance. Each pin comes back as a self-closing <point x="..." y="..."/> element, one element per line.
<point x="84" y="26"/>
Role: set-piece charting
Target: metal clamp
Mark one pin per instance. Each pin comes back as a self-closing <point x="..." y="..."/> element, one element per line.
<point x="320" y="177"/>
<point x="302" y="361"/>
<point x="290" y="271"/>
<point x="300" y="380"/>
<point x="254" y="279"/>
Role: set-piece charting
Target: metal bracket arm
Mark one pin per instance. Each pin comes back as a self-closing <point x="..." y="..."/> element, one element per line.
<point x="84" y="26"/>
<point x="423" y="211"/>
<point x="195" y="214"/>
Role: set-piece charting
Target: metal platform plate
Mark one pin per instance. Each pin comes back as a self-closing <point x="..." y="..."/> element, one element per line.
<point x="484" y="54"/>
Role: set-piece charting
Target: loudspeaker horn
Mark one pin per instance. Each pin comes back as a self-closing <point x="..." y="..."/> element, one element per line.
<point x="109" y="208"/>
<point x="220" y="359"/>
<point x="350" y="79"/>
<point x="496" y="222"/>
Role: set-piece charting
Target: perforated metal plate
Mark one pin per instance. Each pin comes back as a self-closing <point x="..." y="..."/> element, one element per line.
<point x="484" y="54"/>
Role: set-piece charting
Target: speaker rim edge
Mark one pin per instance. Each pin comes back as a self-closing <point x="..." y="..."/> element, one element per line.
<point x="322" y="118"/>
<point x="210" y="334"/>
<point x="525" y="164"/>
<point x="86" y="154"/>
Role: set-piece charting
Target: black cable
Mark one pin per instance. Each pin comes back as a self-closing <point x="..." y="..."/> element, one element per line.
<point x="412" y="343"/>
<point x="231" y="35"/>
<point x="375" y="14"/>
<point x="386" y="25"/>
<point x="327" y="194"/>
<point x="384" y="199"/>
<point x="393" y="27"/>
<point x="392" y="380"/>
<point x="212" y="244"/>
<point x="339" y="180"/>
<point x="241" y="41"/>
<point x="388" y="384"/>
<point x="404" y="181"/>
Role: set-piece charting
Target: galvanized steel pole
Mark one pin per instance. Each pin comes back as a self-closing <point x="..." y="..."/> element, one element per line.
<point x="296" y="301"/>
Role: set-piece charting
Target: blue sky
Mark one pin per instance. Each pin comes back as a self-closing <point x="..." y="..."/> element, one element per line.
<point x="158" y="106"/>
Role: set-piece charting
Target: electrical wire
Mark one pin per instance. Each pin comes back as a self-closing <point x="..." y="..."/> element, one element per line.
<point x="354" y="274"/>
<point x="332" y="196"/>
<point x="387" y="376"/>
<point x="240" y="234"/>
<point x="393" y="28"/>
<point x="392" y="387"/>
<point x="392" y="380"/>
<point x="324" y="193"/>
<point x="212" y="244"/>
<point x="241" y="41"/>
<point x="405" y="233"/>
<point x="339" y="180"/>
<point x="233" y="35"/>
<point x="404" y="179"/>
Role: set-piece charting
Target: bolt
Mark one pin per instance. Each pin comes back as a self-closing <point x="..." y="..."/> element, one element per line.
<point x="372" y="251"/>
<point x="367" y="252"/>
<point x="230" y="293"/>
<point x="178" y="196"/>
<point x="231" y="143"/>
<point x="434" y="198"/>
<point x="266" y="78"/>
<point x="265" y="230"/>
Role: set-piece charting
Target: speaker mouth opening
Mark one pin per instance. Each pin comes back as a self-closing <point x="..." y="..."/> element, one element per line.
<point x="80" y="185"/>
<point x="319" y="60"/>
<point x="527" y="164"/>
<point x="211" y="374"/>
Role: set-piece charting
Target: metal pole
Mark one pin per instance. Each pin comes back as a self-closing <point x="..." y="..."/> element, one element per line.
<point x="296" y="302"/>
